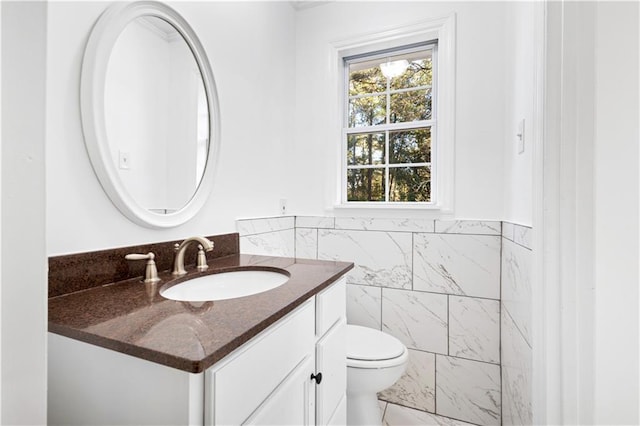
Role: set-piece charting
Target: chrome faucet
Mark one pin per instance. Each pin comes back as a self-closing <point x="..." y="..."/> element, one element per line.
<point x="178" y="263"/>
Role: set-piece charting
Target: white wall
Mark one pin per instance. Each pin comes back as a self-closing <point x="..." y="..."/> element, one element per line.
<point x="24" y="272"/>
<point x="0" y="221"/>
<point x="480" y="95"/>
<point x="616" y="213"/>
<point x="522" y="25"/>
<point x="523" y="40"/>
<point x="250" y="47"/>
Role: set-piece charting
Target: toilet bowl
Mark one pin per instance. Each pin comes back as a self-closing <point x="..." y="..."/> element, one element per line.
<point x="375" y="361"/>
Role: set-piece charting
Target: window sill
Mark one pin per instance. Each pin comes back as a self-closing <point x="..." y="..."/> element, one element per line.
<point x="360" y="206"/>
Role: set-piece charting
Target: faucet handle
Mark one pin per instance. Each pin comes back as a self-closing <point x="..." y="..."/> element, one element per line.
<point x="202" y="259"/>
<point x="151" y="271"/>
<point x="136" y="256"/>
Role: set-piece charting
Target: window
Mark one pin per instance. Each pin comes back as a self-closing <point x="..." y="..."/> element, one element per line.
<point x="389" y="130"/>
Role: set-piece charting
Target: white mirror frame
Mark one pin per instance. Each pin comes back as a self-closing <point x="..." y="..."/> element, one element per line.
<point x="92" y="84"/>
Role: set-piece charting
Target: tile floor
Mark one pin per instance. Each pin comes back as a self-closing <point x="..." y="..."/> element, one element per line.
<point x="397" y="415"/>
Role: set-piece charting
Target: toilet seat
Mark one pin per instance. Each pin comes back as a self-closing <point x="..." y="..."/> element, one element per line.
<point x="370" y="348"/>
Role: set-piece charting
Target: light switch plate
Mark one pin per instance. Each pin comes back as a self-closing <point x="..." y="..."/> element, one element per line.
<point x="520" y="136"/>
<point x="123" y="160"/>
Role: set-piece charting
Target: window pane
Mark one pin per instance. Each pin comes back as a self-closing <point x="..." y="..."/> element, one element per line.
<point x="390" y="88"/>
<point x="365" y="185"/>
<point x="365" y="149"/>
<point x="410" y="184"/>
<point x="411" y="106"/>
<point x="365" y="78"/>
<point x="367" y="111"/>
<point x="419" y="73"/>
<point x="410" y="146"/>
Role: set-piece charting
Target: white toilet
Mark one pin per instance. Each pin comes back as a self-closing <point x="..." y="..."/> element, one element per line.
<point x="375" y="361"/>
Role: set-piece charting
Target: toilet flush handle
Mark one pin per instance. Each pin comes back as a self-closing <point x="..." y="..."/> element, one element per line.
<point x="317" y="377"/>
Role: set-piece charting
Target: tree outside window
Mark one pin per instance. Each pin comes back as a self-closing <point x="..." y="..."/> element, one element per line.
<point x="390" y="122"/>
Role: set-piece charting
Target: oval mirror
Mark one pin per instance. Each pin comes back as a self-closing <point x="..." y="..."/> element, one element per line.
<point x="149" y="113"/>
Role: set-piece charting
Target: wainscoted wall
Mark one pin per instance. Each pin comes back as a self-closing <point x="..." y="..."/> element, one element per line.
<point x="273" y="236"/>
<point x="436" y="286"/>
<point x="516" y="325"/>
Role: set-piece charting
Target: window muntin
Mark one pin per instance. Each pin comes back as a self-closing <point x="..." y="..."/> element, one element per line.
<point x="390" y="127"/>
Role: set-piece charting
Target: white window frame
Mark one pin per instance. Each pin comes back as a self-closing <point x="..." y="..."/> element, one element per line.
<point x="442" y="156"/>
<point x="390" y="127"/>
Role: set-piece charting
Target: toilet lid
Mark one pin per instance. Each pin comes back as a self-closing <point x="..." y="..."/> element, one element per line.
<point x="368" y="344"/>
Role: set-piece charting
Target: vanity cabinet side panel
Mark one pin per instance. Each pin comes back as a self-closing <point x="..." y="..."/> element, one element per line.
<point x="90" y="385"/>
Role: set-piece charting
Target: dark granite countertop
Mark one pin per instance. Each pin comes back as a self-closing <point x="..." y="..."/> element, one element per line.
<point x="131" y="317"/>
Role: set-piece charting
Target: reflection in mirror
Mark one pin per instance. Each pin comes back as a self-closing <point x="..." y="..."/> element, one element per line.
<point x="156" y="115"/>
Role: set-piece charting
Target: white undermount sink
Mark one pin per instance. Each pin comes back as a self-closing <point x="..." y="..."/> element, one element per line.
<point x="225" y="285"/>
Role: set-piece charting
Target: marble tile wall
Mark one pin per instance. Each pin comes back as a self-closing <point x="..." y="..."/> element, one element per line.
<point x="516" y="325"/>
<point x="435" y="285"/>
<point x="267" y="236"/>
<point x="449" y="290"/>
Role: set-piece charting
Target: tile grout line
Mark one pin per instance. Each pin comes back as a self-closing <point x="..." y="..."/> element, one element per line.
<point x="426" y="411"/>
<point x="432" y="292"/>
<point x="408" y="231"/>
<point x="495" y="364"/>
<point x="448" y="324"/>
<point x="381" y="310"/>
<point x="435" y="383"/>
<point x="384" y="411"/>
<point x="500" y="327"/>
<point x="267" y="232"/>
<point x="317" y="241"/>
<point x="390" y="228"/>
<point x="413" y="242"/>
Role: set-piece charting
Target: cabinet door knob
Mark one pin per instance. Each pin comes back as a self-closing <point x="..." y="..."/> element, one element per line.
<point x="317" y="378"/>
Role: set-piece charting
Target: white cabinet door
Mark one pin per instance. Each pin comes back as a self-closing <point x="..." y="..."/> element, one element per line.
<point x="239" y="384"/>
<point x="292" y="403"/>
<point x="331" y="362"/>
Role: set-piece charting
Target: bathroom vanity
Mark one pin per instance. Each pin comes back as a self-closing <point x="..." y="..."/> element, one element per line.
<point x="120" y="353"/>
